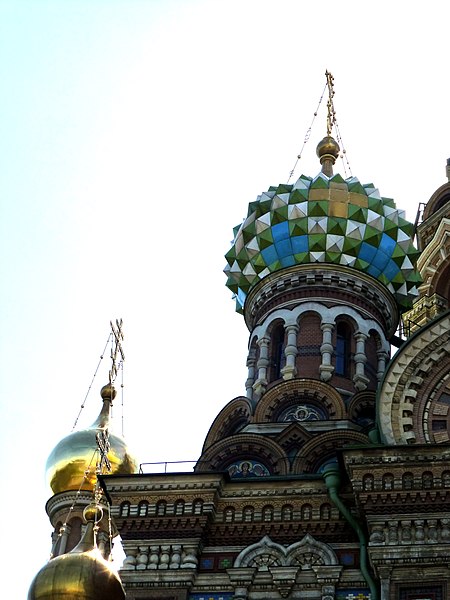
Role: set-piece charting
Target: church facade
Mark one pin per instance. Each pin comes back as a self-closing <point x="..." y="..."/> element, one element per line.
<point x="330" y="478"/>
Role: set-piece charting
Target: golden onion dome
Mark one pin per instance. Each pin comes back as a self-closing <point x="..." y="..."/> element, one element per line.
<point x="82" y="574"/>
<point x="75" y="455"/>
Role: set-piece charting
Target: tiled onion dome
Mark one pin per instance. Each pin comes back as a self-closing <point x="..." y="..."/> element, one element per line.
<point x="324" y="220"/>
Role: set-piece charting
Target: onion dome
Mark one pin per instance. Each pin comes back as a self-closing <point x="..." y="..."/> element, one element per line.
<point x="72" y="462"/>
<point x="82" y="574"/>
<point x="324" y="219"/>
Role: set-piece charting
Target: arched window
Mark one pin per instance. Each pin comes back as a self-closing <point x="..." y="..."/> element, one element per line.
<point x="343" y="349"/>
<point x="325" y="512"/>
<point x="161" y="508"/>
<point x="407" y="481"/>
<point x="446" y="479"/>
<point x="143" y="508"/>
<point x="197" y="506"/>
<point x="306" y="512"/>
<point x="388" y="481"/>
<point x="427" y="480"/>
<point x="287" y="512"/>
<point x="124" y="509"/>
<point x="277" y="356"/>
<point x="179" y="507"/>
<point x="267" y="513"/>
<point x="367" y="483"/>
<point x="228" y="514"/>
<point x="247" y="514"/>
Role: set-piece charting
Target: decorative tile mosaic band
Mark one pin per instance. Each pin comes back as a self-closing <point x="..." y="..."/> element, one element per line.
<point x="324" y="220"/>
<point x="359" y="594"/>
<point x="214" y="596"/>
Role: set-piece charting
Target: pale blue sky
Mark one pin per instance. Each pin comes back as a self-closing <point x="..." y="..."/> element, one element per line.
<point x="133" y="134"/>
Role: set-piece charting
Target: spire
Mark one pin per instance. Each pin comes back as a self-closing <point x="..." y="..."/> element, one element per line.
<point x="328" y="149"/>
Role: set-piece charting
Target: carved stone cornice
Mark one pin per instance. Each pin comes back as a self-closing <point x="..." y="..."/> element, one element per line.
<point x="339" y="284"/>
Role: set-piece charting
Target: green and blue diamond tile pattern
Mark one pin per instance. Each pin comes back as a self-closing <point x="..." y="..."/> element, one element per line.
<point x="324" y="220"/>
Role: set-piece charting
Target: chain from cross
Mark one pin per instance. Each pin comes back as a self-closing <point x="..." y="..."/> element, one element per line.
<point x="103" y="447"/>
<point x="331" y="117"/>
<point x="116" y="349"/>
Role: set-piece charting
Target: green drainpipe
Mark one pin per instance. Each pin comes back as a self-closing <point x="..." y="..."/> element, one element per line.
<point x="333" y="481"/>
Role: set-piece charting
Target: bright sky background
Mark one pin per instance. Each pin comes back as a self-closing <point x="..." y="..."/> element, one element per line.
<point x="133" y="134"/>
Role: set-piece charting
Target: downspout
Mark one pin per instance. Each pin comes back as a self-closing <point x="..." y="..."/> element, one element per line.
<point x="332" y="481"/>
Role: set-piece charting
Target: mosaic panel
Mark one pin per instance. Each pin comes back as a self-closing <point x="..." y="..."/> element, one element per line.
<point x="325" y="220"/>
<point x="247" y="468"/>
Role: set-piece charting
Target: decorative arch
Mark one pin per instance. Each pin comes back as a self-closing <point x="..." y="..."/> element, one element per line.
<point x="326" y="314"/>
<point x="244" y="447"/>
<point x="410" y="390"/>
<point x="231" y="419"/>
<point x="288" y="393"/>
<point x="323" y="447"/>
<point x="305" y="553"/>
<point x="434" y="261"/>
<point x="362" y="409"/>
<point x="263" y="554"/>
<point x="309" y="552"/>
<point x="440" y="197"/>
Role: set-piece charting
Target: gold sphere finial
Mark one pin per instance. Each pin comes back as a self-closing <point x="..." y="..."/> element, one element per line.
<point x="108" y="392"/>
<point x="93" y="512"/>
<point x="328" y="147"/>
<point x="327" y="150"/>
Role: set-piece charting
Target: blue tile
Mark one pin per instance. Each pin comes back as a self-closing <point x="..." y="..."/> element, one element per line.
<point x="280" y="231"/>
<point x="284" y="248"/>
<point x="269" y="254"/>
<point x="299" y="243"/>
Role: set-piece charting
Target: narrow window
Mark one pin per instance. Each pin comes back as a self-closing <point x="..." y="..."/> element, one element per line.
<point x="277" y="356"/>
<point x="306" y="512"/>
<point x="408" y="481"/>
<point x="343" y="350"/>
<point x="197" y="507"/>
<point x="125" y="509"/>
<point x="161" y="507"/>
<point x="143" y="508"/>
<point x="247" y="514"/>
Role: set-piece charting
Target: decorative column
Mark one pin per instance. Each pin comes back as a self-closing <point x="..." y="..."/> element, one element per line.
<point x="65" y="531"/>
<point x="289" y="371"/>
<point x="251" y="363"/>
<point x="326" y="349"/>
<point x="385" y="580"/>
<point x="259" y="387"/>
<point x="382" y="358"/>
<point x="359" y="379"/>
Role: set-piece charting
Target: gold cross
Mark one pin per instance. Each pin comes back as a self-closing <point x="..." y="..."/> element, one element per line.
<point x="331" y="117"/>
<point x="116" y="349"/>
<point x="103" y="446"/>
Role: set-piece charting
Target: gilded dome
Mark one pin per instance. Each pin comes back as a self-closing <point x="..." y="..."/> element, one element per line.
<point x="76" y="454"/>
<point x="324" y="220"/>
<point x="82" y="574"/>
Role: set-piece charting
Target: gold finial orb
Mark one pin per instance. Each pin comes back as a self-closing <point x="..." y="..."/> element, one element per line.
<point x="93" y="512"/>
<point x="328" y="147"/>
<point x="108" y="392"/>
